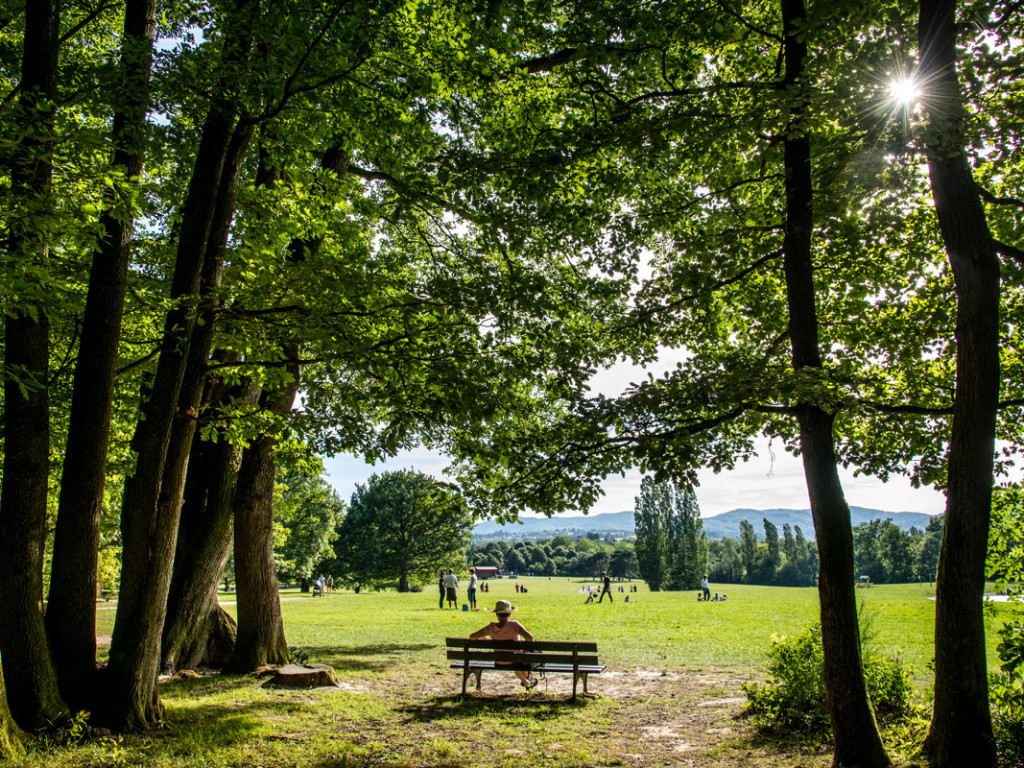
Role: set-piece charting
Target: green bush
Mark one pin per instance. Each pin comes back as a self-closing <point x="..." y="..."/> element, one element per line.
<point x="1006" y="693"/>
<point x="793" y="701"/>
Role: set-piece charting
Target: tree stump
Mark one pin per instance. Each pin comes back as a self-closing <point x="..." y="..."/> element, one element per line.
<point x="303" y="676"/>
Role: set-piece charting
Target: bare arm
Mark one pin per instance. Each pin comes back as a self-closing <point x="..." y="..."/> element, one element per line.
<point x="480" y="634"/>
<point x="525" y="634"/>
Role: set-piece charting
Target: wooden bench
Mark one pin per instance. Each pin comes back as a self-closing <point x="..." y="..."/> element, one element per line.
<point x="474" y="657"/>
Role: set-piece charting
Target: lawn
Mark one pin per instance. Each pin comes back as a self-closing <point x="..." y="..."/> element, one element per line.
<point x="671" y="693"/>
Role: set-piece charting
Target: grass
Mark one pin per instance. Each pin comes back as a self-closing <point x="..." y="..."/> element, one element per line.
<point x="670" y="694"/>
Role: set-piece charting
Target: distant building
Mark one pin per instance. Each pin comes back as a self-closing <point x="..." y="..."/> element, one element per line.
<point x="485" y="571"/>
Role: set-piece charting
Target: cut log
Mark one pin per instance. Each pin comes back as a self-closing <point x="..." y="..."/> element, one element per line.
<point x="303" y="676"/>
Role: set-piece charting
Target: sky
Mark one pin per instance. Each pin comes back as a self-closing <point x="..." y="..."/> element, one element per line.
<point x="771" y="480"/>
<point x="760" y="483"/>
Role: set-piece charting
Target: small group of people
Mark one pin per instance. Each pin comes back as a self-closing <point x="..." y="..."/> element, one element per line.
<point x="323" y="586"/>
<point x="521" y="587"/>
<point x="448" y="586"/>
<point x="705" y="592"/>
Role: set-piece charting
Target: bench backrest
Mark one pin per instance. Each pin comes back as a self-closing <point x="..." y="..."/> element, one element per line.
<point x="511" y="651"/>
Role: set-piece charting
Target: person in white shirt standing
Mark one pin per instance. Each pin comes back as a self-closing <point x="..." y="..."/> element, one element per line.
<point x="471" y="589"/>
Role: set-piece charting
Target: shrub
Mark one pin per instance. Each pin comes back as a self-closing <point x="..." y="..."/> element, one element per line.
<point x="793" y="701"/>
<point x="1006" y="693"/>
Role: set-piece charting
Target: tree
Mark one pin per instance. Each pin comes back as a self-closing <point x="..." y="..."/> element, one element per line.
<point x="24" y="650"/>
<point x="623" y="563"/>
<point x="71" y="614"/>
<point x="961" y="728"/>
<point x="927" y="562"/>
<point x="895" y="548"/>
<point x="773" y="560"/>
<point x="671" y="547"/>
<point x="400" y="528"/>
<point x="748" y="549"/>
<point x="688" y="543"/>
<point x="310" y="513"/>
<point x="652" y="535"/>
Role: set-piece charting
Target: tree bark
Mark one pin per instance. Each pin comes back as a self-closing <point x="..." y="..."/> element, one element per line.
<point x="857" y="740"/>
<point x="11" y="736"/>
<point x="71" y="608"/>
<point x="31" y="680"/>
<point x="961" y="728"/>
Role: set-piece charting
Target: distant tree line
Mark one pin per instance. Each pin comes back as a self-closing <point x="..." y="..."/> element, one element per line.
<point x="882" y="551"/>
<point x="585" y="556"/>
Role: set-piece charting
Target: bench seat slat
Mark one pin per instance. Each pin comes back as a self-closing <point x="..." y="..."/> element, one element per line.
<point x="522" y="658"/>
<point x="590" y="669"/>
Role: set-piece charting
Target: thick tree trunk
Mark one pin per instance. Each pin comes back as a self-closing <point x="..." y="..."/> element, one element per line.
<point x="71" y="608"/>
<point x="194" y="624"/>
<point x="857" y="740"/>
<point x="24" y="651"/>
<point x="261" y="637"/>
<point x="11" y="736"/>
<point x="260" y="627"/>
<point x="961" y="729"/>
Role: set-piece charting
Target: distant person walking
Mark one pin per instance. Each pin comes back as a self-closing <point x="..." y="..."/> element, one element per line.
<point x="440" y="586"/>
<point x="606" y="589"/>
<point x="705" y="587"/>
<point x="451" y="585"/>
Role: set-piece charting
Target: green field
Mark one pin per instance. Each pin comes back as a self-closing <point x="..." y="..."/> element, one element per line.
<point x="668" y="658"/>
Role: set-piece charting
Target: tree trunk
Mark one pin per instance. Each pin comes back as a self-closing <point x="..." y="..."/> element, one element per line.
<point x="260" y="626"/>
<point x="24" y="652"/>
<point x="961" y="729"/>
<point x="149" y="514"/>
<point x="71" y="614"/>
<point x="857" y="741"/>
<point x="205" y="536"/>
<point x="261" y="637"/>
<point x="11" y="736"/>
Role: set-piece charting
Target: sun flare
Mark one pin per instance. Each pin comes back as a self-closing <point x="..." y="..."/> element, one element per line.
<point x="905" y="91"/>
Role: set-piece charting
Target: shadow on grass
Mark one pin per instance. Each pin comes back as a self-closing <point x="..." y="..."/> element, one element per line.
<point x="212" y="726"/>
<point x="363" y="658"/>
<point x="456" y="706"/>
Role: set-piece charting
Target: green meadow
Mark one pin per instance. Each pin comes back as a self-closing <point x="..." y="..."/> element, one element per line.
<point x="671" y="691"/>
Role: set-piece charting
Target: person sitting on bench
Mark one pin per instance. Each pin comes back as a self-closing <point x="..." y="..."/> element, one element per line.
<point x="504" y="629"/>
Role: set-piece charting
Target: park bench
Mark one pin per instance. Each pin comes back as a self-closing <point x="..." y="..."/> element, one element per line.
<point x="543" y="657"/>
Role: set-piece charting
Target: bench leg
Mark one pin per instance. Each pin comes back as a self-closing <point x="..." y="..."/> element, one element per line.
<point x="478" y="672"/>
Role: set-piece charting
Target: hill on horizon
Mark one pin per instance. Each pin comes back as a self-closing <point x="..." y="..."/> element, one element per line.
<point x="724" y="525"/>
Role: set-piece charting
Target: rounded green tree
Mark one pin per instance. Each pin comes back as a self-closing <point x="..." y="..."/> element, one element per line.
<point x="402" y="527"/>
